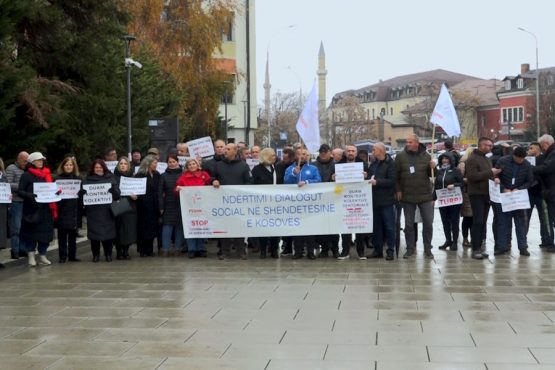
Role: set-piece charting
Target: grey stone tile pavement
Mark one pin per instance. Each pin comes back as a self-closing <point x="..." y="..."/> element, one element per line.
<point x="178" y="313"/>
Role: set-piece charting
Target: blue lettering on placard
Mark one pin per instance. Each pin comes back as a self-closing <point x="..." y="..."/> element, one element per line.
<point x="227" y="212"/>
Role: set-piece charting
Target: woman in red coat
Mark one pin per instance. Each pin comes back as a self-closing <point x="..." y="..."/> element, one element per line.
<point x="193" y="176"/>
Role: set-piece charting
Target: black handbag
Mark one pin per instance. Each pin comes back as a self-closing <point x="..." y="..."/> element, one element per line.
<point x="120" y="207"/>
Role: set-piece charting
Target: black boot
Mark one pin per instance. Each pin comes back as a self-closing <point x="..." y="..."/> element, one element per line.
<point x="119" y="252"/>
<point x="125" y="252"/>
<point x="445" y="245"/>
<point x="13" y="255"/>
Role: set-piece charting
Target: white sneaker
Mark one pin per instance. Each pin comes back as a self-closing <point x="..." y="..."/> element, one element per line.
<point x="43" y="260"/>
<point x="31" y="257"/>
<point x="362" y="258"/>
<point x="343" y="257"/>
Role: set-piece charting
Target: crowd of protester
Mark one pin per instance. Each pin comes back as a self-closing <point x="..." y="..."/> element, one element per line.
<point x="405" y="183"/>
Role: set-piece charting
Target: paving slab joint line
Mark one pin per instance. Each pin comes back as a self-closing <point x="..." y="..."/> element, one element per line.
<point x="549" y="318"/>
<point x="246" y="325"/>
<point x="268" y="364"/>
<point x="33" y="347"/>
<point x="217" y="312"/>
<point x="428" y="354"/>
<point x="528" y="298"/>
<point x="296" y="313"/>
<point x="282" y="337"/>
<point x="339" y="305"/>
<point x="325" y="352"/>
<point x="532" y="353"/>
<point x="333" y="325"/>
<point x="462" y="317"/>
<point x="161" y="363"/>
<point x="513" y="329"/>
<point x="473" y="341"/>
<point x="93" y="339"/>
<point x="263" y="303"/>
<point x="127" y="350"/>
<point x="52" y="365"/>
<point x="421" y="326"/>
<point x="224" y="352"/>
<point x="190" y="336"/>
<point x="496" y="306"/>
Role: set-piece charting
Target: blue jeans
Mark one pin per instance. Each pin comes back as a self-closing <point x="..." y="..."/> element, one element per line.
<point x="196" y="245"/>
<point x="537" y="201"/>
<point x="167" y="231"/>
<point x="31" y="246"/>
<point x="16" y="214"/>
<point x="384" y="229"/>
<point x="505" y="223"/>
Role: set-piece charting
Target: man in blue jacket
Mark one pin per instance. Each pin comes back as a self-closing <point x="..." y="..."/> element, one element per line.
<point x="303" y="173"/>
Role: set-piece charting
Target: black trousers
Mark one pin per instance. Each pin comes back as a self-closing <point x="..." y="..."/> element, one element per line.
<point x="480" y="210"/>
<point x="106" y="245"/>
<point x="67" y="243"/>
<point x="328" y="242"/>
<point x="300" y="242"/>
<point x="347" y="239"/>
<point x="145" y="247"/>
<point x="287" y="245"/>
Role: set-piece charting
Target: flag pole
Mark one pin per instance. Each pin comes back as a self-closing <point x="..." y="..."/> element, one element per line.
<point x="433" y="145"/>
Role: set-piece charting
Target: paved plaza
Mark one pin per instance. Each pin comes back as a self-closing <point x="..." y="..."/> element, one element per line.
<point x="175" y="313"/>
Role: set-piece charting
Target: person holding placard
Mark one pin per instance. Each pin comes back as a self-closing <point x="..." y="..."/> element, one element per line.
<point x="3" y="212"/>
<point x="101" y="225"/>
<point x="547" y="173"/>
<point x="13" y="173"/>
<point x="37" y="226"/>
<point x="517" y="174"/>
<point x="126" y="223"/>
<point x="466" y="209"/>
<point x="170" y="209"/>
<point x="448" y="176"/>
<point x="478" y="172"/>
<point x="69" y="213"/>
<point x="148" y="210"/>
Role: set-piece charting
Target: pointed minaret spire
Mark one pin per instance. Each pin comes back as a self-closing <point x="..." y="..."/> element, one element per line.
<point x="322" y="72"/>
<point x="267" y="87"/>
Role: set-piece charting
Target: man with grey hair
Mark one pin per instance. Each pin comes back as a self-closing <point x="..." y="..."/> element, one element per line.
<point x="547" y="173"/>
<point x="13" y="174"/>
<point x="337" y="154"/>
<point x="414" y="190"/>
<point x="182" y="149"/>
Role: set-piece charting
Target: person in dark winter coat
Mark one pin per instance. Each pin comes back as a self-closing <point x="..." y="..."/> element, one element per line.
<point x="219" y="151"/>
<point x="148" y="210"/>
<point x="382" y="174"/>
<point x="193" y="176"/>
<point x="231" y="171"/>
<point x="170" y="208"/>
<point x="69" y="213"/>
<point x="448" y="176"/>
<point x="287" y="157"/>
<point x="326" y="167"/>
<point x="546" y="171"/>
<point x="3" y="212"/>
<point x="126" y="223"/>
<point x="37" y="226"/>
<point x="517" y="174"/>
<point x="264" y="173"/>
<point x="101" y="224"/>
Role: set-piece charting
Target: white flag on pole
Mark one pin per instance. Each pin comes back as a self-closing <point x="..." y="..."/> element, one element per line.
<point x="444" y="114"/>
<point x="308" y="125"/>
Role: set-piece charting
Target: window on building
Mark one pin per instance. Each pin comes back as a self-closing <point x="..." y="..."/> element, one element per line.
<point x="373" y="113"/>
<point x="391" y="111"/>
<point x="520" y="114"/>
<point x="509" y="115"/>
<point x="504" y="115"/>
<point x="520" y="83"/>
<point x="507" y="84"/>
<point x="228" y="32"/>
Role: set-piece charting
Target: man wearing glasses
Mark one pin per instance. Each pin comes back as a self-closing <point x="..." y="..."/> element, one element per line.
<point x="478" y="172"/>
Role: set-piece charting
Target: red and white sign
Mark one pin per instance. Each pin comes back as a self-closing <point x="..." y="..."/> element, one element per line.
<point x="449" y="197"/>
<point x="202" y="147"/>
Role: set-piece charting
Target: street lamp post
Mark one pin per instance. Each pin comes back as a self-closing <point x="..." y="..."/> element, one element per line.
<point x="225" y="113"/>
<point x="128" y="39"/>
<point x="537" y="82"/>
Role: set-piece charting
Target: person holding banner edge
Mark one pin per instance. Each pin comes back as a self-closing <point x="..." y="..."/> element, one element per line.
<point x="448" y="176"/>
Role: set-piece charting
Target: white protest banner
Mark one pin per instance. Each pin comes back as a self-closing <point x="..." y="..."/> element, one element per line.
<point x="46" y="192"/>
<point x="97" y="194"/>
<point x="252" y="162"/>
<point x="5" y="193"/>
<point x="274" y="210"/>
<point x="349" y="172"/>
<point x="532" y="160"/>
<point x="132" y="185"/>
<point x="70" y="188"/>
<point x="202" y="147"/>
<point x="161" y="167"/>
<point x="111" y="165"/>
<point x="514" y="200"/>
<point x="494" y="192"/>
<point x="446" y="197"/>
<point x="183" y="160"/>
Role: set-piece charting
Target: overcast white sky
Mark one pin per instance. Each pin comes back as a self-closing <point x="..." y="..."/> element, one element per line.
<point x="366" y="40"/>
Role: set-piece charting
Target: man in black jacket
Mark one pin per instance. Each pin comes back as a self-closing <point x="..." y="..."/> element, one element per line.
<point x="325" y="165"/>
<point x="547" y="173"/>
<point x="231" y="170"/>
<point x="383" y="177"/>
<point x="535" y="194"/>
<point x="288" y="157"/>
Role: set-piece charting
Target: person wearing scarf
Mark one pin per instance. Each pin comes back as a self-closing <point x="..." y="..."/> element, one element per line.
<point x="37" y="226"/>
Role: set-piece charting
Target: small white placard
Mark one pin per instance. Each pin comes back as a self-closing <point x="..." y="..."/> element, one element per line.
<point x="5" y="193"/>
<point x="252" y="162"/>
<point x="97" y="194"/>
<point x="349" y="172"/>
<point x="494" y="192"/>
<point x="202" y="147"/>
<point x="161" y="167"/>
<point x="111" y="165"/>
<point x="70" y="188"/>
<point x="183" y="160"/>
<point x="446" y="197"/>
<point x="532" y="160"/>
<point x="514" y="200"/>
<point x="46" y="192"/>
<point x="132" y="186"/>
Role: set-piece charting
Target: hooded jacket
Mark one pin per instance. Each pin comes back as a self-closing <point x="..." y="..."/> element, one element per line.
<point x="547" y="173"/>
<point x="385" y="174"/>
<point x="449" y="176"/>
<point x="415" y="184"/>
<point x="232" y="172"/>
